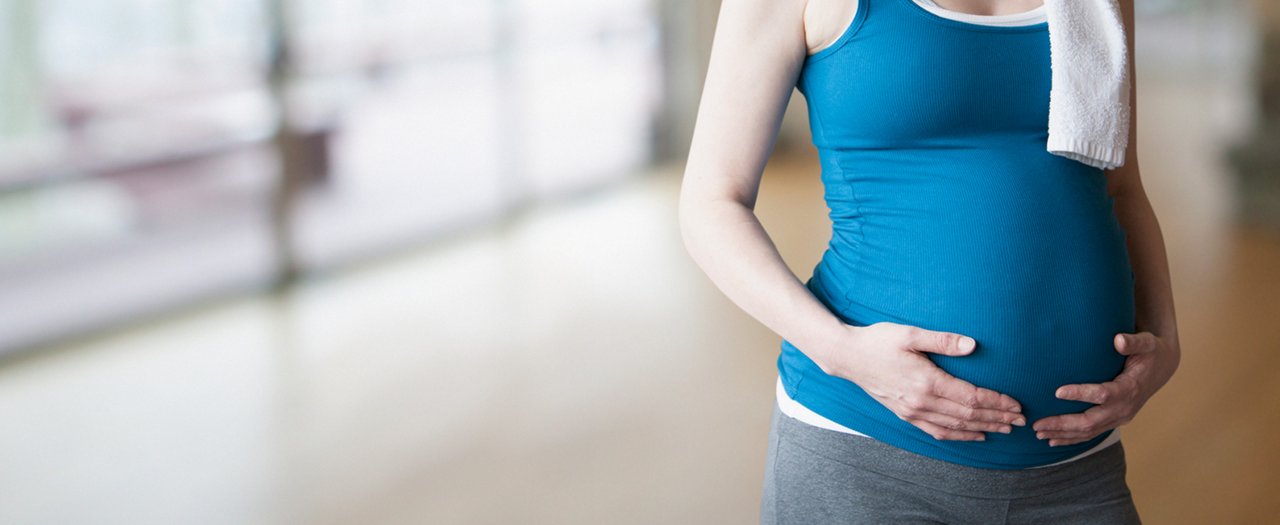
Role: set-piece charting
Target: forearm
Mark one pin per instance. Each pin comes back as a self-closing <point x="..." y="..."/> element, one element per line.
<point x="1153" y="290"/>
<point x="726" y="239"/>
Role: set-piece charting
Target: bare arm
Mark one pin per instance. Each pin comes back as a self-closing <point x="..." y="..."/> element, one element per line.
<point x="759" y="49"/>
<point x="1145" y="241"/>
<point x="1154" y="352"/>
<point x="755" y="60"/>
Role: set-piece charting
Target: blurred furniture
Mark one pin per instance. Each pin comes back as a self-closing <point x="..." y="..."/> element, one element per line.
<point x="1257" y="161"/>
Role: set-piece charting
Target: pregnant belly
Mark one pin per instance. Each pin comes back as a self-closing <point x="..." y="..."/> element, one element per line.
<point x="1028" y="343"/>
<point x="1043" y="291"/>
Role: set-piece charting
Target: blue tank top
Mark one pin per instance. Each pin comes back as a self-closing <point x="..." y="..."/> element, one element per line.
<point x="949" y="214"/>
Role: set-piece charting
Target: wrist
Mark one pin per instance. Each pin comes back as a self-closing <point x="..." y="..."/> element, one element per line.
<point x="830" y="346"/>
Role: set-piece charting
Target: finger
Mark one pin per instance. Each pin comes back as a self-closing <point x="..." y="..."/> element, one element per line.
<point x="943" y="412"/>
<point x="1057" y="434"/>
<point x="945" y="343"/>
<point x="1062" y="442"/>
<point x="1057" y="442"/>
<point x="940" y="432"/>
<point x="1059" y="438"/>
<point x="1139" y="343"/>
<point x="998" y="418"/>
<point x="1065" y="422"/>
<point x="1096" y="393"/>
<point x="1088" y="421"/>
<point x="1135" y="366"/>
<point x="968" y="394"/>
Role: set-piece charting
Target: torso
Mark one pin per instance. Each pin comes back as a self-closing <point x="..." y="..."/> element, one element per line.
<point x="949" y="214"/>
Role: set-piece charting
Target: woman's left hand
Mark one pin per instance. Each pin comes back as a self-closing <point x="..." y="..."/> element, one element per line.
<point x="1151" y="361"/>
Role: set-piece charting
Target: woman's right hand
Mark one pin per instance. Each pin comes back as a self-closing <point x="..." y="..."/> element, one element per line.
<point x="886" y="360"/>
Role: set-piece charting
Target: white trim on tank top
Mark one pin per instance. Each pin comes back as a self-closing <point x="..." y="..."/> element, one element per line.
<point x="1032" y="17"/>
<point x="795" y="410"/>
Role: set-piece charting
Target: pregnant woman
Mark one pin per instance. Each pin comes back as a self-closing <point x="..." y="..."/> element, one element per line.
<point x="987" y="313"/>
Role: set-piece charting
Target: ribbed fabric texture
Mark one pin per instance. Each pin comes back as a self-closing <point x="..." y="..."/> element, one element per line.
<point x="949" y="214"/>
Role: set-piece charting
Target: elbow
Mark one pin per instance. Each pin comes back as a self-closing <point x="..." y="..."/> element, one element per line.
<point x="698" y="215"/>
<point x="709" y="226"/>
<point x="706" y="212"/>
<point x="690" y="222"/>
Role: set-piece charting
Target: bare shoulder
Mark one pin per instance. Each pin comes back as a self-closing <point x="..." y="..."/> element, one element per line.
<point x="760" y="29"/>
<point x="761" y="22"/>
<point x="826" y="20"/>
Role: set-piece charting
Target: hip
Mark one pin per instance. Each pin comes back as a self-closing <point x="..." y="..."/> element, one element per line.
<point x="819" y="475"/>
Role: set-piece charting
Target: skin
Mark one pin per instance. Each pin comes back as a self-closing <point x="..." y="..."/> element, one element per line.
<point x="756" y="57"/>
<point x="1153" y="352"/>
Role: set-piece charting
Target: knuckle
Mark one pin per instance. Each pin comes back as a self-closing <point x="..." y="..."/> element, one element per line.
<point x="909" y="334"/>
<point x="923" y="383"/>
<point x="942" y="339"/>
<point x="930" y="381"/>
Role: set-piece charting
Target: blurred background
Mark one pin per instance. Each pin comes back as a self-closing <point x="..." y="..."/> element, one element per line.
<point x="416" y="261"/>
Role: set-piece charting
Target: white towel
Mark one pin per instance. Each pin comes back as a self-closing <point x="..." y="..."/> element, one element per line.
<point x="1089" y="99"/>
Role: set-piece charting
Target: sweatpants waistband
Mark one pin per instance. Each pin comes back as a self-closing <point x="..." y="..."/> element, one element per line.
<point x="953" y="478"/>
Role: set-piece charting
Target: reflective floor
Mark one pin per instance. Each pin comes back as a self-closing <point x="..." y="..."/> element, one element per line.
<point x="572" y="367"/>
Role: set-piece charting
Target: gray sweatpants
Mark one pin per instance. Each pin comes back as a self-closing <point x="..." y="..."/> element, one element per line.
<point x="819" y="476"/>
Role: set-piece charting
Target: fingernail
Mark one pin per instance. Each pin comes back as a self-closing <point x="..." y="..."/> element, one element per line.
<point x="1017" y="409"/>
<point x="1022" y="422"/>
<point x="982" y="437"/>
<point x="967" y="343"/>
<point x="1039" y="435"/>
<point x="1005" y="430"/>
